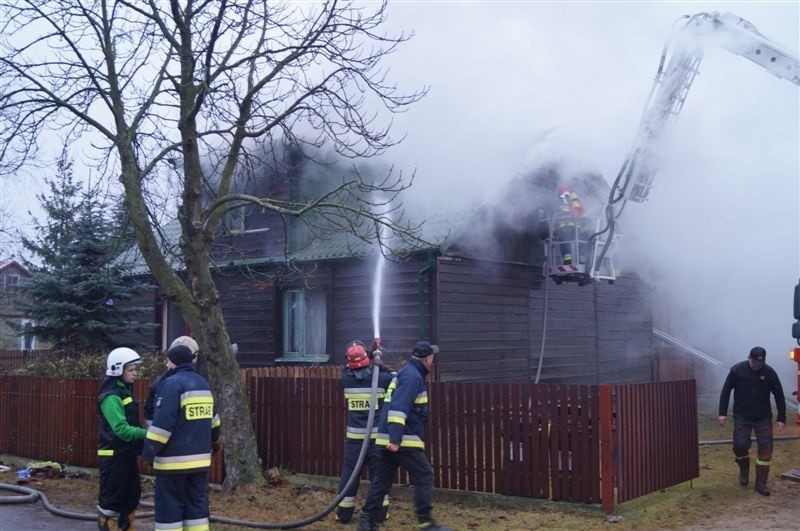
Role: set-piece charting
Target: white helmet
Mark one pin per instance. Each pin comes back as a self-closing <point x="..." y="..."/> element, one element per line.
<point x="118" y="358"/>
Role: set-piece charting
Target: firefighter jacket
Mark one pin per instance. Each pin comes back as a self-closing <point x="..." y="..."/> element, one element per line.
<point x="405" y="409"/>
<point x="185" y="423"/>
<point x="357" y="384"/>
<point x="150" y="403"/>
<point x="118" y="427"/>
<point x="751" y="390"/>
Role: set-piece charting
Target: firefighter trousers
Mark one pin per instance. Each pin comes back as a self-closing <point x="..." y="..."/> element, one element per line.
<point x="181" y="501"/>
<point x="741" y="439"/>
<point x="120" y="487"/>
<point x="418" y="467"/>
<point x="346" y="507"/>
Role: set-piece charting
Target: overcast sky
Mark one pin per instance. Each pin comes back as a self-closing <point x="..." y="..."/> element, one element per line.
<point x="514" y="84"/>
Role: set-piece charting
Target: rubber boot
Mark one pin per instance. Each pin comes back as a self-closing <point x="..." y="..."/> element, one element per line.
<point x="429" y="524"/>
<point x="383" y="512"/>
<point x="744" y="470"/>
<point x="365" y="523"/>
<point x="106" y="523"/>
<point x="762" y="472"/>
<point x="343" y="515"/>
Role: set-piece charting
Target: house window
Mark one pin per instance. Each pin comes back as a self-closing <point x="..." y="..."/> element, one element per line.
<point x="10" y="283"/>
<point x="304" y="325"/>
<point x="247" y="219"/>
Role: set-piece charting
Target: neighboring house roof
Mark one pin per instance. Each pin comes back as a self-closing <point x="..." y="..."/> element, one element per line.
<point x="11" y="264"/>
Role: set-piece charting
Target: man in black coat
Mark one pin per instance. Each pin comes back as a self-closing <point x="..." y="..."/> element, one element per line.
<point x="752" y="381"/>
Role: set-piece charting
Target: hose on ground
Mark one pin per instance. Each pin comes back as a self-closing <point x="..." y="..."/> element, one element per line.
<point x="31" y="495"/>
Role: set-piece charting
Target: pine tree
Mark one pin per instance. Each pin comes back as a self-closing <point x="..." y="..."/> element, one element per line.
<point x="75" y="290"/>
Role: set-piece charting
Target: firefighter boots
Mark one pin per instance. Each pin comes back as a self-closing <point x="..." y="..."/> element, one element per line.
<point x="365" y="523"/>
<point x="429" y="524"/>
<point x="762" y="472"/>
<point x="744" y="470"/>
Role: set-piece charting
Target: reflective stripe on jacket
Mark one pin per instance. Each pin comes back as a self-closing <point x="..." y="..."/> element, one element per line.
<point x="405" y="408"/>
<point x="357" y="384"/>
<point x="110" y="443"/>
<point x="185" y="423"/>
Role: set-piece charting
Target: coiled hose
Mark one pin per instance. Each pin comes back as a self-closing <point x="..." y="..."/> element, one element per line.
<point x="31" y="495"/>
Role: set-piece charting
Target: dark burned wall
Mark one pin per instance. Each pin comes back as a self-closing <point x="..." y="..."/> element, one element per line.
<point x="482" y="320"/>
<point x="491" y="323"/>
<point x="252" y="307"/>
<point x="598" y="333"/>
<point x="146" y="338"/>
<point x="398" y="319"/>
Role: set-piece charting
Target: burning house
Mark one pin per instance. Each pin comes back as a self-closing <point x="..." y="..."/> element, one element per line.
<point x="480" y="291"/>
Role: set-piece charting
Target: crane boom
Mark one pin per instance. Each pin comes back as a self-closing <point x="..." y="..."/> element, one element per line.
<point x="674" y="79"/>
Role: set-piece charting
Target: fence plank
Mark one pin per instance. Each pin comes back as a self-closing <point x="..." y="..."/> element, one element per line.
<point x="534" y="440"/>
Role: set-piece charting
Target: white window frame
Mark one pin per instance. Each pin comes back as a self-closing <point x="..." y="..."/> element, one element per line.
<point x="300" y="322"/>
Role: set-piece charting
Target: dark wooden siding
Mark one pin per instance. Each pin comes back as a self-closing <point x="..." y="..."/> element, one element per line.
<point x="351" y="311"/>
<point x="598" y="333"/>
<point x="491" y="324"/>
<point x="149" y="314"/>
<point x="625" y="349"/>
<point x="250" y="310"/>
<point x="483" y="318"/>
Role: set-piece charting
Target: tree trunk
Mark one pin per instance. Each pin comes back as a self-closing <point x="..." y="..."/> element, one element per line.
<point x="242" y="463"/>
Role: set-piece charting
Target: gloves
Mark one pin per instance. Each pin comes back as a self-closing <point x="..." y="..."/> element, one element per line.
<point x="374" y="350"/>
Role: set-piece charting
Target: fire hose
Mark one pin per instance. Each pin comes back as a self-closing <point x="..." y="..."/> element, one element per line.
<point x="31" y="495"/>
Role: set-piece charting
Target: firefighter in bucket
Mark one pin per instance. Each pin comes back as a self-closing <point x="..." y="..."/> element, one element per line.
<point x="569" y="245"/>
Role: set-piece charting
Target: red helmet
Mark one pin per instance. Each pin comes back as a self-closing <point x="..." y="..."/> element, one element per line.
<point x="357" y="355"/>
<point x="564" y="189"/>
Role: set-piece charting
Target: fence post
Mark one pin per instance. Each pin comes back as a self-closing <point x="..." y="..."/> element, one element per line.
<point x="606" y="449"/>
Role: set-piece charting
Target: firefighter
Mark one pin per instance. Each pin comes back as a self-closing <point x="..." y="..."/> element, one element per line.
<point x="570" y="225"/>
<point x="357" y="385"/>
<point x="179" y="444"/>
<point x="401" y="439"/>
<point x="119" y="442"/>
<point x="752" y="381"/>
<point x="149" y="404"/>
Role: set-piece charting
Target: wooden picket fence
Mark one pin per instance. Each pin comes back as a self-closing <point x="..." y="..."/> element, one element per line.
<point x="578" y="443"/>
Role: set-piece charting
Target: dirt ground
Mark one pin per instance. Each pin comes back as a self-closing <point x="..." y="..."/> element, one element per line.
<point x="285" y="501"/>
<point x="780" y="511"/>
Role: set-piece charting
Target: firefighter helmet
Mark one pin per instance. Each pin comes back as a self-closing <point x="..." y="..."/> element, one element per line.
<point x="564" y="191"/>
<point x="189" y="342"/>
<point x="118" y="358"/>
<point x="357" y="355"/>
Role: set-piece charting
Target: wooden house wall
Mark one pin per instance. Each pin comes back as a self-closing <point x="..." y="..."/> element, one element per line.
<point x="150" y="338"/>
<point x="482" y="313"/>
<point x="491" y="323"/>
<point x="598" y="333"/>
<point x="250" y="306"/>
<point x="570" y="331"/>
<point x="352" y="295"/>
<point x="625" y="349"/>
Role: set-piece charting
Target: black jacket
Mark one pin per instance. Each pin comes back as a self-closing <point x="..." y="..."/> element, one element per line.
<point x="751" y="390"/>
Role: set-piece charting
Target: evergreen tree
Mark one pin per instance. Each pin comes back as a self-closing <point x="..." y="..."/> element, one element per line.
<point x="74" y="293"/>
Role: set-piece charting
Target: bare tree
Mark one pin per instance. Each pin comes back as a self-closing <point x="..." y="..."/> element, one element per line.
<point x="186" y="90"/>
